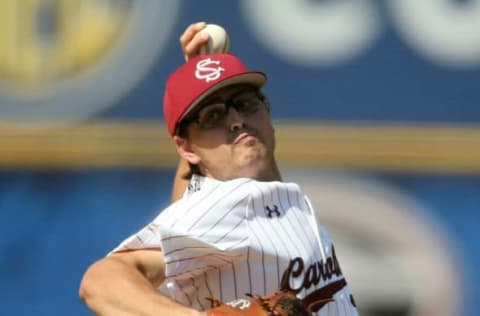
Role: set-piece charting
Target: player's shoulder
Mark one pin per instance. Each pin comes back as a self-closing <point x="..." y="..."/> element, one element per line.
<point x="275" y="187"/>
<point x="200" y="185"/>
<point x="234" y="190"/>
<point x="207" y="198"/>
<point x="203" y="190"/>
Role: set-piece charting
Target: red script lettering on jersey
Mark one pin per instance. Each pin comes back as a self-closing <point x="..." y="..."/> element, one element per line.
<point x="313" y="275"/>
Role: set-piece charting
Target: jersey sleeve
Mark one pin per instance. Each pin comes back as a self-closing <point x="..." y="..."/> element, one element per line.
<point x="202" y="231"/>
<point x="147" y="238"/>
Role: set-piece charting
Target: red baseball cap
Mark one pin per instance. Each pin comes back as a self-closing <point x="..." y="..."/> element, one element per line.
<point x="200" y="77"/>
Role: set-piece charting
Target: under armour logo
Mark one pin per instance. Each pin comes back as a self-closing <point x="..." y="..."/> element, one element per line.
<point x="208" y="70"/>
<point x="270" y="212"/>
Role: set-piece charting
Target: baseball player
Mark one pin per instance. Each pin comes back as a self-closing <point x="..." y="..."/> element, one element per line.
<point x="236" y="228"/>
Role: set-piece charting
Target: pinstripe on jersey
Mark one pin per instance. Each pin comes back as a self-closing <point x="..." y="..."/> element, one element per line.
<point x="227" y="238"/>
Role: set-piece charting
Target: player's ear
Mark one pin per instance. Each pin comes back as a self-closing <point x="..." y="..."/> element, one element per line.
<point x="185" y="151"/>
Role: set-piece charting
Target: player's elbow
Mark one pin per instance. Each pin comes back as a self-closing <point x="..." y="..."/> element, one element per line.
<point x="84" y="291"/>
<point x="87" y="284"/>
<point x="90" y="285"/>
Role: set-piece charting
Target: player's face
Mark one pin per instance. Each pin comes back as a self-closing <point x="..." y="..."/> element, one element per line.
<point x="230" y="135"/>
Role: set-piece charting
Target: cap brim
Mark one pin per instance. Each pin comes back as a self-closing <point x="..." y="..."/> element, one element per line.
<point x="254" y="78"/>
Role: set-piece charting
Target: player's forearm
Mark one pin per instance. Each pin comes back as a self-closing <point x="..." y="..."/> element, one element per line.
<point x="112" y="287"/>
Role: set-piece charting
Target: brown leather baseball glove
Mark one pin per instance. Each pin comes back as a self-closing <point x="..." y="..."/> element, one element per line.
<point x="281" y="303"/>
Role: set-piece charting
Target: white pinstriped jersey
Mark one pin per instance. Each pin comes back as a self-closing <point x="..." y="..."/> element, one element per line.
<point x="227" y="238"/>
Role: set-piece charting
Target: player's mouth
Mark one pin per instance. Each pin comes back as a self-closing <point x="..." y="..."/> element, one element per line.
<point x="245" y="138"/>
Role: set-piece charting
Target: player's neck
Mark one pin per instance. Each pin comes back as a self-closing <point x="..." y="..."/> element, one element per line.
<point x="269" y="173"/>
<point x="272" y="173"/>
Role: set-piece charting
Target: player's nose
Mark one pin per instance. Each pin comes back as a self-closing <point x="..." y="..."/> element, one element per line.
<point x="235" y="120"/>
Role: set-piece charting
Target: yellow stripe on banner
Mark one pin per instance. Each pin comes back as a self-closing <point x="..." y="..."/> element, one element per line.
<point x="394" y="148"/>
<point x="87" y="145"/>
<point x="413" y="148"/>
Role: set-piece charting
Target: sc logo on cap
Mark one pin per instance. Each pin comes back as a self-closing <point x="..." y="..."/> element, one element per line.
<point x="208" y="70"/>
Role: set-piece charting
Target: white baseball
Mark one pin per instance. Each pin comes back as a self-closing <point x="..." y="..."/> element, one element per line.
<point x="218" y="41"/>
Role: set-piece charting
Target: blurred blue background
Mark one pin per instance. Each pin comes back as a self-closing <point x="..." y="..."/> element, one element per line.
<point x="403" y="64"/>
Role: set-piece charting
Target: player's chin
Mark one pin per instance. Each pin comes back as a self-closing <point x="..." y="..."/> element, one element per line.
<point x="252" y="163"/>
<point x="251" y="154"/>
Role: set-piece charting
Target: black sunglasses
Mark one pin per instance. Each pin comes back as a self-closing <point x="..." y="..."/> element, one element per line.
<point x="213" y="114"/>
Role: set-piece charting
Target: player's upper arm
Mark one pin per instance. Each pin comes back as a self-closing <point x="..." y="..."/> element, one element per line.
<point x="150" y="262"/>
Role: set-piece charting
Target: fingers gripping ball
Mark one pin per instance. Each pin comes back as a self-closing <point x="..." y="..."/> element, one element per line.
<point x="282" y="303"/>
<point x="218" y="40"/>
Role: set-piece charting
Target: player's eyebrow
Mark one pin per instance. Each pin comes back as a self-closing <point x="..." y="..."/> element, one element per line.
<point x="212" y="99"/>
